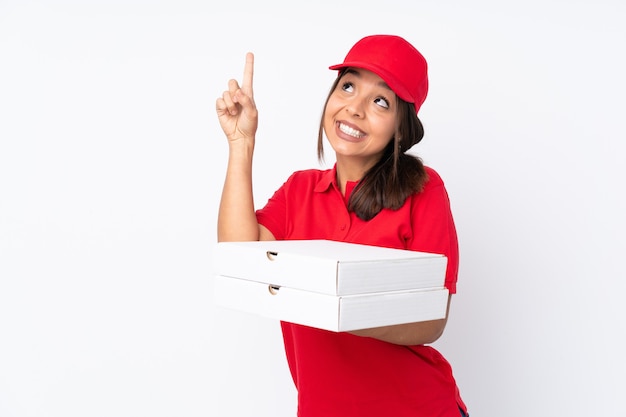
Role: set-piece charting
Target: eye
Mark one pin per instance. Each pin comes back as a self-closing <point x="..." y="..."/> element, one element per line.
<point x="382" y="101"/>
<point x="347" y="86"/>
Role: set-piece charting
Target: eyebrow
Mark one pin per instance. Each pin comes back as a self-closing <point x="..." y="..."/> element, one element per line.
<point x="357" y="73"/>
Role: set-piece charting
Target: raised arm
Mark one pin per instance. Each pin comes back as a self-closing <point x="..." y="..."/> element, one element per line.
<point x="238" y="117"/>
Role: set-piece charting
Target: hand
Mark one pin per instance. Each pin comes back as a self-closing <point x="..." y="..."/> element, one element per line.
<point x="236" y="110"/>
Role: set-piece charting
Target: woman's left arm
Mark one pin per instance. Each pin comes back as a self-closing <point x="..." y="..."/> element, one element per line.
<point x="419" y="333"/>
<point x="433" y="231"/>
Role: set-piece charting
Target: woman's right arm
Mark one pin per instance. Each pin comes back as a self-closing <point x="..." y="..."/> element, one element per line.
<point x="238" y="117"/>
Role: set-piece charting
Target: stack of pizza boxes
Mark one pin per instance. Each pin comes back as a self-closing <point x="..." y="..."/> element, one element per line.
<point x="330" y="285"/>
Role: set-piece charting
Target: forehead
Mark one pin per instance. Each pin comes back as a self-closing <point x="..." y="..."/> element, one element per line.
<point x="366" y="76"/>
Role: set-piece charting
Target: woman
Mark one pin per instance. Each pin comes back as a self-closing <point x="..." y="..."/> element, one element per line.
<point x="375" y="194"/>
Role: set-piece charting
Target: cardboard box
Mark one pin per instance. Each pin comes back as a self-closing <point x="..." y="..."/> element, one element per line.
<point x="330" y="285"/>
<point x="329" y="312"/>
<point x="330" y="267"/>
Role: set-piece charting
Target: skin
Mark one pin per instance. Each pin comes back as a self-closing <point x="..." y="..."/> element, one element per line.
<point x="359" y="121"/>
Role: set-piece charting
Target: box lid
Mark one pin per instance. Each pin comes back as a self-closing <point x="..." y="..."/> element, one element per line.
<point x="335" y="313"/>
<point x="330" y="267"/>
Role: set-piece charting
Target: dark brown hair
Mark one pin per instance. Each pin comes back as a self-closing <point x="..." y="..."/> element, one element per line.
<point x="396" y="175"/>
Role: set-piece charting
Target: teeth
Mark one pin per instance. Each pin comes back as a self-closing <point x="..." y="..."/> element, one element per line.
<point x="349" y="131"/>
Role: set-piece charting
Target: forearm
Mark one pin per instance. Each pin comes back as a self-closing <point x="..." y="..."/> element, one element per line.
<point x="236" y="216"/>
<point x="406" y="334"/>
<point x="418" y="333"/>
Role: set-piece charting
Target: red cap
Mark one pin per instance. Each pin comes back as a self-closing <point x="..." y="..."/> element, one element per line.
<point x="396" y="61"/>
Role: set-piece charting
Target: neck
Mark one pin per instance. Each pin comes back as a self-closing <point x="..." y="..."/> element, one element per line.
<point x="349" y="172"/>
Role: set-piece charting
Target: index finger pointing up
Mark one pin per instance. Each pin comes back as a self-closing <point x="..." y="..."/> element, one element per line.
<point x="248" y="73"/>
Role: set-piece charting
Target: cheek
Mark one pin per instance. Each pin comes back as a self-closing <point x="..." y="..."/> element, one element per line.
<point x="386" y="127"/>
<point x="332" y="106"/>
<point x="329" y="116"/>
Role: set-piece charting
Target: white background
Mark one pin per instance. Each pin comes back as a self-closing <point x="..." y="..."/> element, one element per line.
<point x="112" y="161"/>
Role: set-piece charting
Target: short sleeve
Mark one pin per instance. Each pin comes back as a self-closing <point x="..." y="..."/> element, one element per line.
<point x="273" y="215"/>
<point x="433" y="226"/>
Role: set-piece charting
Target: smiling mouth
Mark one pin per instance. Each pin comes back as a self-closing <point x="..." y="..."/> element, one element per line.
<point x="350" y="131"/>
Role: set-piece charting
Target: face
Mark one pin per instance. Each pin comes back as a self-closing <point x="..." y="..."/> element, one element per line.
<point x="360" y="117"/>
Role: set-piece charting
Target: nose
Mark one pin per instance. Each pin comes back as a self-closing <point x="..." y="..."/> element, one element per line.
<point x="356" y="108"/>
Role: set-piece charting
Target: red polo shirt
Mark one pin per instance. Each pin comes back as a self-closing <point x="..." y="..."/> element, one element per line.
<point x="342" y="375"/>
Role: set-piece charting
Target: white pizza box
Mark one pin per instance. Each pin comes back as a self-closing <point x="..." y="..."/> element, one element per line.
<point x="330" y="312"/>
<point x="330" y="267"/>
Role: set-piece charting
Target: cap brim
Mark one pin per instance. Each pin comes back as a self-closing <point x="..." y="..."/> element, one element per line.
<point x="397" y="88"/>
